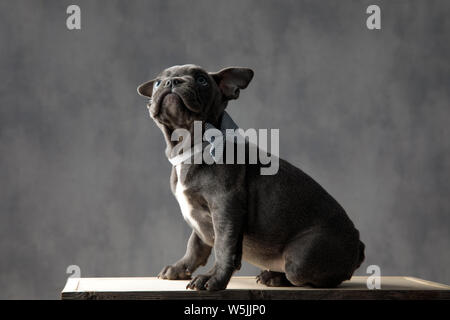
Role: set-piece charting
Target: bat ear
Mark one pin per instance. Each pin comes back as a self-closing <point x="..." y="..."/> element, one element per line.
<point x="231" y="80"/>
<point x="146" y="89"/>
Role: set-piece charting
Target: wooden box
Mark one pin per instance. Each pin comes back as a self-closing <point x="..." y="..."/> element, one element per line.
<point x="246" y="288"/>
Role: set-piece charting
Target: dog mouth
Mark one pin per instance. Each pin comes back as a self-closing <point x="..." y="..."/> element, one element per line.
<point x="166" y="99"/>
<point x="154" y="104"/>
<point x="171" y="98"/>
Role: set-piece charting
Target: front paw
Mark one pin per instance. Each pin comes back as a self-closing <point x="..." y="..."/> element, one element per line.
<point x="175" y="272"/>
<point x="211" y="282"/>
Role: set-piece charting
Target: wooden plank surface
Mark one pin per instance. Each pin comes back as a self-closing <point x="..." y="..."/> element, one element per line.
<point x="247" y="288"/>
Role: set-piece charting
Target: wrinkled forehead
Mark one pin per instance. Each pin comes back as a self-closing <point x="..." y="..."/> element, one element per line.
<point x="178" y="71"/>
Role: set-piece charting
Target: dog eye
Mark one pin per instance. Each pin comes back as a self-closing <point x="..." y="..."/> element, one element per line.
<point x="157" y="83"/>
<point x="202" y="81"/>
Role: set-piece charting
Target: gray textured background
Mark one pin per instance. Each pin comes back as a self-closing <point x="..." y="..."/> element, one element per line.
<point x="83" y="177"/>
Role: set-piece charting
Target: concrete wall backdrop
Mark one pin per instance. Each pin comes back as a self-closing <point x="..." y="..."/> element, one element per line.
<point x="83" y="177"/>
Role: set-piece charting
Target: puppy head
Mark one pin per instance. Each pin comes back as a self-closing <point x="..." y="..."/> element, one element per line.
<point x="181" y="95"/>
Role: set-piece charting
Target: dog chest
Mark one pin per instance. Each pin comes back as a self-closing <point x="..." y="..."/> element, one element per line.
<point x="198" y="219"/>
<point x="185" y="206"/>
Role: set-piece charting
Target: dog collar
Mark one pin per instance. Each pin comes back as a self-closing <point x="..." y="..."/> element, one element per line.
<point x="182" y="157"/>
<point x="216" y="150"/>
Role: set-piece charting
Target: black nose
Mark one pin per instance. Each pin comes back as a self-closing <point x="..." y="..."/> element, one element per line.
<point x="172" y="82"/>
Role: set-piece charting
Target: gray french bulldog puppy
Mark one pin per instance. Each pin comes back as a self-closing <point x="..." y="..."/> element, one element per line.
<point x="286" y="223"/>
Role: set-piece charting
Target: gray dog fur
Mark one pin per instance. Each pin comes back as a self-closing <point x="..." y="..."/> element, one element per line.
<point x="286" y="223"/>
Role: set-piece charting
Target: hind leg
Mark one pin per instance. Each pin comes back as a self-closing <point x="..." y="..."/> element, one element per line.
<point x="320" y="259"/>
<point x="273" y="279"/>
